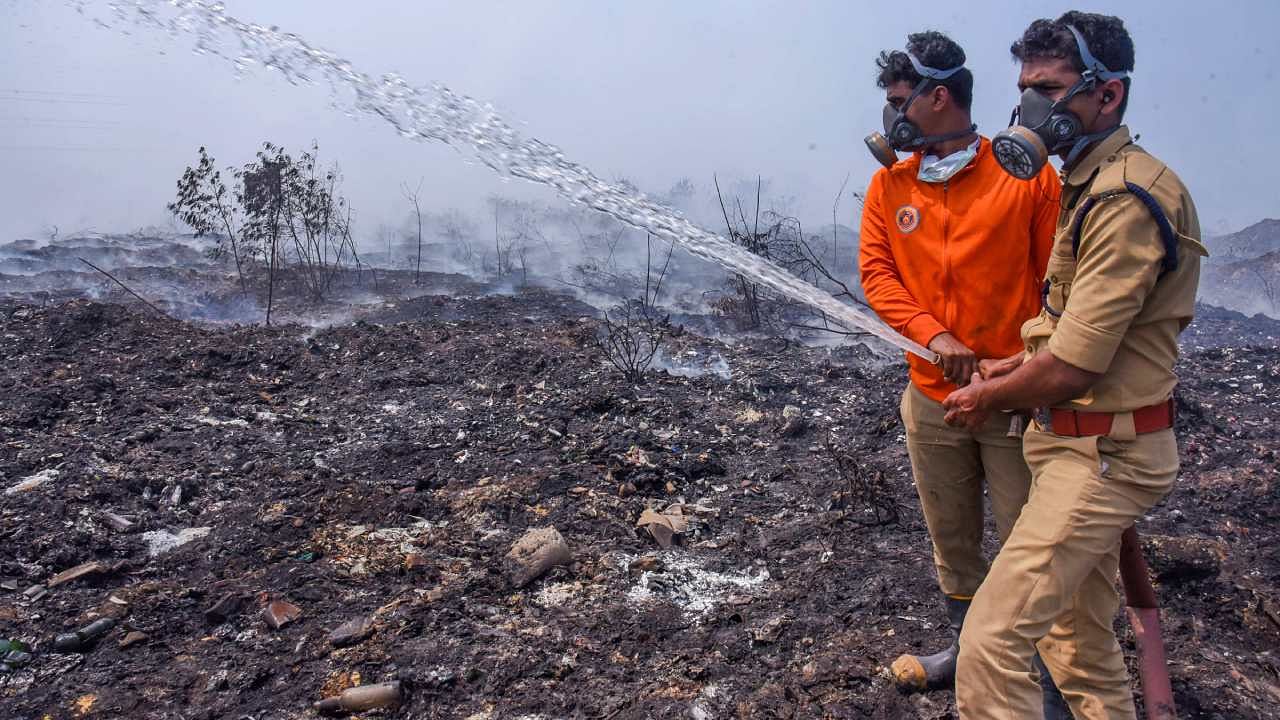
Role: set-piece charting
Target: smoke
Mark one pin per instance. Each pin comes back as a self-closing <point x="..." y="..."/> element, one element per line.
<point x="1251" y="288"/>
<point x="173" y="270"/>
<point x="515" y="244"/>
<point x="509" y="247"/>
<point x="133" y="250"/>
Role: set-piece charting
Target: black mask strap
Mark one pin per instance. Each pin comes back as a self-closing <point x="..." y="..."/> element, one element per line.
<point x="1084" y="142"/>
<point x="926" y="140"/>
<point x="915" y="93"/>
<point x="956" y="135"/>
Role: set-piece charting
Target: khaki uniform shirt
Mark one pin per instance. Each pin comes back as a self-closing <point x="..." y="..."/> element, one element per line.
<point x="1119" y="316"/>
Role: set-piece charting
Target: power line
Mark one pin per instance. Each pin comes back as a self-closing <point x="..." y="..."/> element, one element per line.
<point x="79" y="148"/>
<point x="61" y="119"/>
<point x="64" y="101"/>
<point x="63" y="93"/>
<point x="61" y="125"/>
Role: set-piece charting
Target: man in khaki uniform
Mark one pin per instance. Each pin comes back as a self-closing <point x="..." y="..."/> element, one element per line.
<point x="1121" y="286"/>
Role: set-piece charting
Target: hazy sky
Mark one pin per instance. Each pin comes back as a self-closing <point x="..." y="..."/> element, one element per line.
<point x="98" y="125"/>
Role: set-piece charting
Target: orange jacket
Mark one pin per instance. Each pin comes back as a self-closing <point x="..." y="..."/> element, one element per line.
<point x="966" y="256"/>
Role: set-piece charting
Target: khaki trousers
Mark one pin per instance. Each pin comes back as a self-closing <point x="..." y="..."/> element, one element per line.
<point x="1052" y="586"/>
<point x="951" y="466"/>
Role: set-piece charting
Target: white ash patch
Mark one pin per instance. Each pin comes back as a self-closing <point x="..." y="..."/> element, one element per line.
<point x="683" y="581"/>
<point x="556" y="594"/>
<point x="162" y="541"/>
<point x="404" y="539"/>
<point x="217" y="422"/>
<point x="701" y="710"/>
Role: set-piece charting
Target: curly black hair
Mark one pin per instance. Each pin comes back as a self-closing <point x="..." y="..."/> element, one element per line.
<point x="932" y="49"/>
<point x="1106" y="35"/>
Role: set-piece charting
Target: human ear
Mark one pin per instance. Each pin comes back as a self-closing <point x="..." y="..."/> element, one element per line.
<point x="1112" y="95"/>
<point x="940" y="96"/>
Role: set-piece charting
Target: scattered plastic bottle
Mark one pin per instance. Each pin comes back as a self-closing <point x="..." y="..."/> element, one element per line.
<point x="364" y="697"/>
<point x="15" y="659"/>
<point x="13" y="654"/>
<point x="84" y="637"/>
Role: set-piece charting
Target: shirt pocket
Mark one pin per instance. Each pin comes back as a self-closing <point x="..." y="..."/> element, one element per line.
<point x="1058" y="277"/>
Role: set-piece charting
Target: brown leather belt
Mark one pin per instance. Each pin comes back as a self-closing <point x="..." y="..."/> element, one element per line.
<point x="1077" y="423"/>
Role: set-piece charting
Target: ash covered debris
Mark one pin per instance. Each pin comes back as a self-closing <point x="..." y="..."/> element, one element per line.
<point x="362" y="484"/>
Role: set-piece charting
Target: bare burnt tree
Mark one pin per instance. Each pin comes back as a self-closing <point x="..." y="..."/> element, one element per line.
<point x="835" y="223"/>
<point x="632" y="334"/>
<point x="634" y="329"/>
<point x="747" y="304"/>
<point x="385" y="235"/>
<point x="206" y="206"/>
<point x="681" y="194"/>
<point x="508" y="232"/>
<point x="522" y="256"/>
<point x="499" y="262"/>
<point x="599" y="270"/>
<point x="459" y="234"/>
<point x="781" y="240"/>
<point x="517" y="235"/>
<point x="417" y="211"/>
<point x="317" y="220"/>
<point x="497" y="244"/>
<point x="819" y="273"/>
<point x="652" y="282"/>
<point x="1267" y="284"/>
<point x="598" y="234"/>
<point x="605" y="263"/>
<point x="864" y="488"/>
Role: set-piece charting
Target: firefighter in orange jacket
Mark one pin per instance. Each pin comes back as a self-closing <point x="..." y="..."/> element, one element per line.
<point x="953" y="252"/>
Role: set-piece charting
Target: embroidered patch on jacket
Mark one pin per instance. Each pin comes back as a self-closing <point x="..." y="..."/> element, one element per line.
<point x="908" y="218"/>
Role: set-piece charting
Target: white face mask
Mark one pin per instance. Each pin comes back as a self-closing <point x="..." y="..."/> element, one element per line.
<point x="934" y="169"/>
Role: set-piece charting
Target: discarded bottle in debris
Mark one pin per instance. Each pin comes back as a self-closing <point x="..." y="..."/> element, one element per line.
<point x="15" y="659"/>
<point x="13" y="654"/>
<point x="119" y="523"/>
<point x="84" y="637"/>
<point x="364" y="697"/>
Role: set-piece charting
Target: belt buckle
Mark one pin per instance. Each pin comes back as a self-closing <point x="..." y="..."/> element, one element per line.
<point x="1043" y="418"/>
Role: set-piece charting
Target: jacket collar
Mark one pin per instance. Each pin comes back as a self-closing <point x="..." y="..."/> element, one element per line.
<point x="1086" y="166"/>
<point x="912" y="163"/>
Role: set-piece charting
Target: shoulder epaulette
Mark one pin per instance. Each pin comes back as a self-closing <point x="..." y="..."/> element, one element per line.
<point x="1130" y="178"/>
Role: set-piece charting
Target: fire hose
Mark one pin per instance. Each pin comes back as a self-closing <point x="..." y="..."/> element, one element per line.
<point x="1144" y="616"/>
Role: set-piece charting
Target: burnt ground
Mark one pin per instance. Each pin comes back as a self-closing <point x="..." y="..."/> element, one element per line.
<point x="382" y="468"/>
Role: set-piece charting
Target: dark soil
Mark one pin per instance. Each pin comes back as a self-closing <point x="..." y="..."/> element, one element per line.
<point x="383" y="467"/>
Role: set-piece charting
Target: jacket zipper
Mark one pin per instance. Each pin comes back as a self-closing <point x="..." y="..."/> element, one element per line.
<point x="946" y="258"/>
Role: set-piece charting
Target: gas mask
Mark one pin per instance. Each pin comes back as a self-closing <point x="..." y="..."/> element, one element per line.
<point x="902" y="134"/>
<point x="1041" y="126"/>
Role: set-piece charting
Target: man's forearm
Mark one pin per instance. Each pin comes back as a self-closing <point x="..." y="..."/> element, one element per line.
<point x="1042" y="381"/>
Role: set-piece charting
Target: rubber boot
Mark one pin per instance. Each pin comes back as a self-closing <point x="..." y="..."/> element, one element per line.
<point x="1055" y="706"/>
<point x="913" y="673"/>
